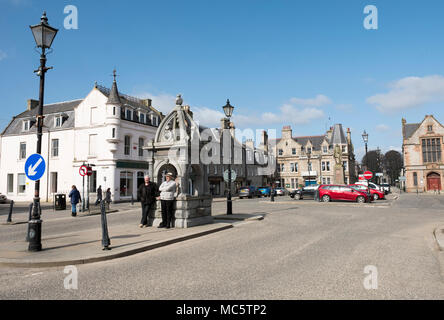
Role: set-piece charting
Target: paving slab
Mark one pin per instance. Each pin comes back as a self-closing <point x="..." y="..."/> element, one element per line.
<point x="85" y="246"/>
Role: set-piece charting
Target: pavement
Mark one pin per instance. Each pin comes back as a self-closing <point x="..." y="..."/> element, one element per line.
<point x="83" y="245"/>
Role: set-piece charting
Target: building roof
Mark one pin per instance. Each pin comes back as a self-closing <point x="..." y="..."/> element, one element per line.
<point x="338" y="136"/>
<point x="113" y="97"/>
<point x="58" y="107"/>
<point x="409" y="129"/>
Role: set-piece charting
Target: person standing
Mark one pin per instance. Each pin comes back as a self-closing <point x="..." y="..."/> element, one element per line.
<point x="167" y="193"/>
<point x="99" y="195"/>
<point x="75" y="198"/>
<point x="108" y="198"/>
<point x="147" y="193"/>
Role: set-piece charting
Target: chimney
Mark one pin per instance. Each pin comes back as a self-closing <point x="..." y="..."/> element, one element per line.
<point x="286" y="132"/>
<point x="32" y="104"/>
<point x="349" y="139"/>
<point x="146" y="102"/>
<point x="264" y="141"/>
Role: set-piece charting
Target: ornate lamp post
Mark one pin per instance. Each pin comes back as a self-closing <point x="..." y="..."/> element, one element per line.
<point x="309" y="165"/>
<point x="365" y="138"/>
<point x="228" y="110"/>
<point x="44" y="35"/>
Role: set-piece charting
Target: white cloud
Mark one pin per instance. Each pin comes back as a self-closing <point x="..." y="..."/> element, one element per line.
<point x="3" y="55"/>
<point x="317" y="101"/>
<point x="382" y="127"/>
<point x="409" y="92"/>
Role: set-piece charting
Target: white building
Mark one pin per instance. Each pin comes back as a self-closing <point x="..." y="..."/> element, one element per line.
<point x="105" y="129"/>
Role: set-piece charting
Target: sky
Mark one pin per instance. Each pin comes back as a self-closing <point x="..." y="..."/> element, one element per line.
<point x="308" y="64"/>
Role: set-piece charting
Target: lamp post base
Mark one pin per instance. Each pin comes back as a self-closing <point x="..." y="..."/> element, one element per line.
<point x="35" y="235"/>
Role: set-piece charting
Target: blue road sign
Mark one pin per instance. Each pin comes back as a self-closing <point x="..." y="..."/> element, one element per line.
<point x="35" y="167"/>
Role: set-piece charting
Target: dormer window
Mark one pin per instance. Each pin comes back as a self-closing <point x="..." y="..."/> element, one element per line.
<point x="324" y="149"/>
<point x="58" y="121"/>
<point x="142" y="117"/>
<point x="153" y="120"/>
<point x="430" y="128"/>
<point x="26" y="125"/>
<point x="129" y="114"/>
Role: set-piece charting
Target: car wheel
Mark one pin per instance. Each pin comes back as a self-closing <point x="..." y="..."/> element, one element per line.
<point x="297" y="197"/>
<point x="360" y="199"/>
<point x="375" y="197"/>
<point x="325" y="198"/>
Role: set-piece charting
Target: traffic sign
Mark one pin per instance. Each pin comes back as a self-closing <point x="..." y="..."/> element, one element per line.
<point x="379" y="174"/>
<point x="233" y="175"/>
<point x="89" y="171"/>
<point x="35" y="167"/>
<point x="368" y="175"/>
<point x="83" y="170"/>
<point x="402" y="178"/>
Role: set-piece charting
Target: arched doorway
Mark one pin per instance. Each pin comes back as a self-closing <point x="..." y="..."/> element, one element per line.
<point x="433" y="181"/>
<point x="163" y="171"/>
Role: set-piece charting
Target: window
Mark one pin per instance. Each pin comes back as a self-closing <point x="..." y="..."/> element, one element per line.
<point x="292" y="183"/>
<point x="26" y="125"/>
<point x="292" y="167"/>
<point x="325" y="165"/>
<point x="344" y="164"/>
<point x="21" y="183"/>
<point x="280" y="151"/>
<point x="10" y="186"/>
<point x="429" y="128"/>
<point x="293" y="151"/>
<point x="328" y="165"/>
<point x="93" y="182"/>
<point x="296" y="166"/>
<point x="283" y="167"/>
<point x="127" y="145"/>
<point x="58" y="121"/>
<point x="328" y="180"/>
<point x="153" y="120"/>
<point x="344" y="149"/>
<point x="128" y="114"/>
<point x="53" y="182"/>
<point x="92" y="145"/>
<point x="141" y="142"/>
<point x="126" y="184"/>
<point x="431" y="150"/>
<point x="113" y="133"/>
<point x="142" y="117"/>
<point x="94" y="115"/>
<point x="324" y="149"/>
<point x="55" y="147"/>
<point x="114" y="111"/>
<point x="415" y="179"/>
<point x="310" y="167"/>
<point x="22" y="151"/>
<point x="308" y="150"/>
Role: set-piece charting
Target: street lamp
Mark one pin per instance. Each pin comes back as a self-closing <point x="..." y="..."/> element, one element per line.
<point x="228" y="110"/>
<point x="309" y="164"/>
<point x="44" y="35"/>
<point x="365" y="138"/>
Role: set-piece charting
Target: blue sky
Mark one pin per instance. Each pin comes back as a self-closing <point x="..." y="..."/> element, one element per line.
<point x="308" y="64"/>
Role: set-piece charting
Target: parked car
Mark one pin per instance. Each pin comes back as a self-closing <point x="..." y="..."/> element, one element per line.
<point x="370" y="184"/>
<point x="249" y="192"/>
<point x="281" y="191"/>
<point x="376" y="194"/>
<point x="386" y="188"/>
<point x="265" y="191"/>
<point x="307" y="192"/>
<point x="341" y="192"/>
<point x="3" y="198"/>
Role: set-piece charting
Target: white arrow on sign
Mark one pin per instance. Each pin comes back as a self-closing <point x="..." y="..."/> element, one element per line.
<point x="31" y="168"/>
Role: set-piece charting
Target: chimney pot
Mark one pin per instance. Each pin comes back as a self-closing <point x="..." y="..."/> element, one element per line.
<point x="32" y="104"/>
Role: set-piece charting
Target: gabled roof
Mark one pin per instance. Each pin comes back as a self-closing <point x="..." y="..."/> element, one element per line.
<point x="409" y="129"/>
<point x="58" y="107"/>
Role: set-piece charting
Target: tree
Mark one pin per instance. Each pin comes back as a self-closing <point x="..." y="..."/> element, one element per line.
<point x="393" y="164"/>
<point x="373" y="161"/>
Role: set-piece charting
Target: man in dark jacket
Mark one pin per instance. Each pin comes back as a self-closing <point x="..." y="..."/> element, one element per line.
<point x="75" y="198"/>
<point x="99" y="195"/>
<point x="147" y="193"/>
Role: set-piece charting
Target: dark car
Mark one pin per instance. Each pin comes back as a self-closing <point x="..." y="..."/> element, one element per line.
<point x="305" y="192"/>
<point x="344" y="193"/>
<point x="249" y="192"/>
<point x="385" y="187"/>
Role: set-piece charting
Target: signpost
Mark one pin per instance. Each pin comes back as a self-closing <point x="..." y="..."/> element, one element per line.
<point x="233" y="175"/>
<point x="368" y="175"/>
<point x="35" y="167"/>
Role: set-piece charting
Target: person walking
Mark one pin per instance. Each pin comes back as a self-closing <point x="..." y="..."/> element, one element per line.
<point x="147" y="194"/>
<point x="167" y="193"/>
<point x="99" y="195"/>
<point x="75" y="198"/>
<point x="108" y="198"/>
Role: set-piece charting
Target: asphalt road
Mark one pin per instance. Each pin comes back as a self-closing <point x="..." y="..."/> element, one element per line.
<point x="301" y="250"/>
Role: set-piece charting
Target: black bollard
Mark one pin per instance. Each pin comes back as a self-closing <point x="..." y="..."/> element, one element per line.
<point x="10" y="212"/>
<point x="29" y="219"/>
<point x="105" y="237"/>
<point x="132" y="200"/>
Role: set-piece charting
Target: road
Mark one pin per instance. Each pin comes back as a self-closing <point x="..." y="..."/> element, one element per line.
<point x="301" y="250"/>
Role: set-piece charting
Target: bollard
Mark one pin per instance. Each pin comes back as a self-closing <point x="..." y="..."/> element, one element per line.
<point x="105" y="237"/>
<point x="132" y="200"/>
<point x="29" y="219"/>
<point x="10" y="212"/>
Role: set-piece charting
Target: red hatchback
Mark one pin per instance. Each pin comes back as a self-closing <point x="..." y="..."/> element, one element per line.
<point x="340" y="192"/>
<point x="376" y="194"/>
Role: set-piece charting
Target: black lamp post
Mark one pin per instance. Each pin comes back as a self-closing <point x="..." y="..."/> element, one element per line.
<point x="44" y="35"/>
<point x="228" y="110"/>
<point x="309" y="165"/>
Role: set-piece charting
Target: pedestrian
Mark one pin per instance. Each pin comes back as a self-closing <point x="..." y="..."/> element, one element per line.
<point x="108" y="198"/>
<point x="75" y="198"/>
<point x="147" y="194"/>
<point x="167" y="193"/>
<point x="99" y="195"/>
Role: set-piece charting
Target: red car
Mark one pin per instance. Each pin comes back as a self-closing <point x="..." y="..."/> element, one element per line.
<point x="340" y="192"/>
<point x="376" y="194"/>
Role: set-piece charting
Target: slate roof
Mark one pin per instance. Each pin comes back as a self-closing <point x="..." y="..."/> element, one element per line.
<point x="113" y="97"/>
<point x="51" y="108"/>
<point x="338" y="136"/>
<point x="409" y="128"/>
